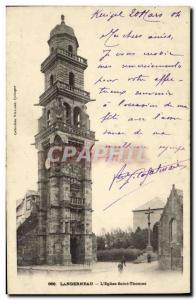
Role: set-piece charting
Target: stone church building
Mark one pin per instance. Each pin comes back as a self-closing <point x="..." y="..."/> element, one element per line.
<point x="59" y="229"/>
<point x="171" y="232"/>
<point x="139" y="213"/>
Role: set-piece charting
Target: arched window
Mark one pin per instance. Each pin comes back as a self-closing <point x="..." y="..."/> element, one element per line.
<point x="71" y="80"/>
<point x="48" y="117"/>
<point x="77" y="117"/>
<point x="173" y="230"/>
<point x="51" y="80"/>
<point x="70" y="49"/>
<point x="67" y="112"/>
<point x="57" y="140"/>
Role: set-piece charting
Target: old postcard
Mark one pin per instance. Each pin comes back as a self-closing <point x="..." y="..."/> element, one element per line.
<point x="98" y="150"/>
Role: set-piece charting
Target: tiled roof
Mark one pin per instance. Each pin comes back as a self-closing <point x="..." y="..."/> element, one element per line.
<point x="32" y="193"/>
<point x="153" y="204"/>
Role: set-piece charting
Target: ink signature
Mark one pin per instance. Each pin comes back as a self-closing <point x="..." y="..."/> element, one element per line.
<point x="124" y="176"/>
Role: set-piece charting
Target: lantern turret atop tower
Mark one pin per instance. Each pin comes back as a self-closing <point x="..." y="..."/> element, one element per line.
<point x="63" y="37"/>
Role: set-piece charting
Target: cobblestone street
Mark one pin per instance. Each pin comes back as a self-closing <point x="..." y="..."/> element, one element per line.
<point x="135" y="276"/>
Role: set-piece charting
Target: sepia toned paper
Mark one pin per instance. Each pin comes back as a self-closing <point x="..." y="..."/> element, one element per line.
<point x="115" y="80"/>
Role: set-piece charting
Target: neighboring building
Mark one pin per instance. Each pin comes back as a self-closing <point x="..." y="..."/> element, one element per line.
<point x="171" y="232"/>
<point x="140" y="217"/>
<point x="60" y="232"/>
<point x="25" y="206"/>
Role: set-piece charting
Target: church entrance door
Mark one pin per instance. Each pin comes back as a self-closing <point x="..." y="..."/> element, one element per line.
<point x="73" y="249"/>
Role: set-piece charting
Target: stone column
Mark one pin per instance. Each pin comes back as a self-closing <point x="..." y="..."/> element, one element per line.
<point x="87" y="195"/>
<point x="88" y="237"/>
<point x="71" y="117"/>
<point x="42" y="205"/>
<point x="65" y="219"/>
<point x="53" y="214"/>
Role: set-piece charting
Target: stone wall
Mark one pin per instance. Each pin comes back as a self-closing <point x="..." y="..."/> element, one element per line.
<point x="171" y="232"/>
<point x="27" y="243"/>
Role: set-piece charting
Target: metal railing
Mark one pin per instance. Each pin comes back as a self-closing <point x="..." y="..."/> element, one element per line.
<point x="66" y="128"/>
<point x="72" y="56"/>
<point x="64" y="86"/>
<point x="66" y="53"/>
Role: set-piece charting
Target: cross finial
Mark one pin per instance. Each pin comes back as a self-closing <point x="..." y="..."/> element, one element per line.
<point x="148" y="213"/>
<point x="62" y="19"/>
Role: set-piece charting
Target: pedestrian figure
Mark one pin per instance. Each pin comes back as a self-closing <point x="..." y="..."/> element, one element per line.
<point x="123" y="261"/>
<point x="149" y="258"/>
<point x="120" y="267"/>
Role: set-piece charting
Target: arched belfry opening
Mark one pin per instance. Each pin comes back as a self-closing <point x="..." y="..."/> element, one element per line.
<point x="67" y="109"/>
<point x="77" y="117"/>
<point x="71" y="80"/>
<point x="51" y="80"/>
<point x="70" y="49"/>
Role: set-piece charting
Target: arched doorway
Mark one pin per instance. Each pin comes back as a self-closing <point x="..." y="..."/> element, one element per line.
<point x="73" y="249"/>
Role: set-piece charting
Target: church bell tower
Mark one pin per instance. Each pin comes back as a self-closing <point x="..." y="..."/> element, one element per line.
<point x="65" y="207"/>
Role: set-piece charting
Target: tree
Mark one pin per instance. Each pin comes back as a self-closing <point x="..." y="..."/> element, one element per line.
<point x="123" y="239"/>
<point x="100" y="243"/>
<point x="140" y="238"/>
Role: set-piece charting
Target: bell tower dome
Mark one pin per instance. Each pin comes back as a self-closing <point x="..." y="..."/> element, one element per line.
<point x="63" y="37"/>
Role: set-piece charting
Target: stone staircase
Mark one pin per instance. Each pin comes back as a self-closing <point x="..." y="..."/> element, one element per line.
<point x="143" y="257"/>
